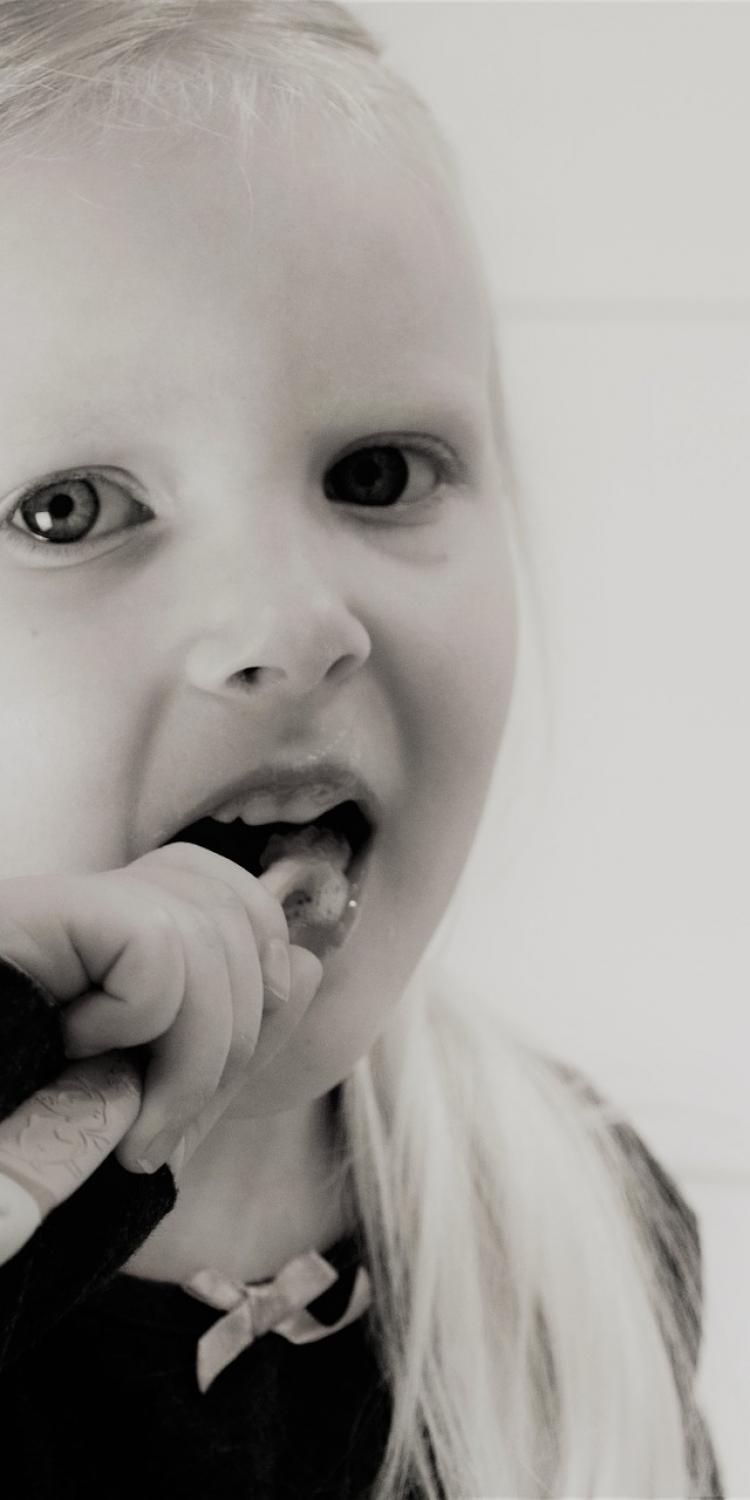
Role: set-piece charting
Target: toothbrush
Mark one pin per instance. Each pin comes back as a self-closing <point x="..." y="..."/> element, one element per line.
<point x="57" y="1137"/>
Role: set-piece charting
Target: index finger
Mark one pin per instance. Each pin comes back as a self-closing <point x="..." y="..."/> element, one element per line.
<point x="57" y="1138"/>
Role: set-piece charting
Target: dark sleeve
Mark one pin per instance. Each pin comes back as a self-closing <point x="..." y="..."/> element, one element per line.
<point x="81" y="1244"/>
<point x="674" y="1236"/>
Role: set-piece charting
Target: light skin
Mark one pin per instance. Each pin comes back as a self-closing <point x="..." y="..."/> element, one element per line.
<point x="222" y="349"/>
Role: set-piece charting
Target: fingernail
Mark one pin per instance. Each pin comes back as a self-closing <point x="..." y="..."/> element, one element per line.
<point x="277" y="970"/>
<point x="161" y="1148"/>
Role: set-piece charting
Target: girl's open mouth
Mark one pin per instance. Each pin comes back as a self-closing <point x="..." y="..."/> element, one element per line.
<point x="317" y="869"/>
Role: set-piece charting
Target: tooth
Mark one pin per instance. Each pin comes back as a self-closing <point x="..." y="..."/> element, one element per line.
<point x="300" y="807"/>
<point x="304" y="805"/>
<point x="225" y="814"/>
<point x="256" y="810"/>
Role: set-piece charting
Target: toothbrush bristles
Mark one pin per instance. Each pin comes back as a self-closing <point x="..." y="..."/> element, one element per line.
<point x="324" y="889"/>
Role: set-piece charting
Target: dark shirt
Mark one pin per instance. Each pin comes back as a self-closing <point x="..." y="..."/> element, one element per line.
<point x="109" y="1406"/>
<point x="98" y="1388"/>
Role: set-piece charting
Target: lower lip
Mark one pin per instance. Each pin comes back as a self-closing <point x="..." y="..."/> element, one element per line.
<point x="320" y="939"/>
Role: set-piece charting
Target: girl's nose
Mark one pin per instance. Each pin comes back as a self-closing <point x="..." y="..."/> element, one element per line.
<point x="295" y="643"/>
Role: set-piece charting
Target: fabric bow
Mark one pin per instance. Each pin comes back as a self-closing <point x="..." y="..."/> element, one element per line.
<point x="278" y="1306"/>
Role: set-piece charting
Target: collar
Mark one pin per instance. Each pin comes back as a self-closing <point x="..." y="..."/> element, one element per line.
<point x="309" y="1299"/>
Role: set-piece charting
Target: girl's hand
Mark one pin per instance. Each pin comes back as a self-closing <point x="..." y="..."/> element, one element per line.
<point x="182" y="951"/>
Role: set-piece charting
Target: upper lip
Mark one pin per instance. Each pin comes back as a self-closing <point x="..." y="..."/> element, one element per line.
<point x="333" y="780"/>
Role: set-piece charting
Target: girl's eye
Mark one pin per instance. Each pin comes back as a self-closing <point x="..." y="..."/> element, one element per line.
<point x="380" y="476"/>
<point x="74" y="509"/>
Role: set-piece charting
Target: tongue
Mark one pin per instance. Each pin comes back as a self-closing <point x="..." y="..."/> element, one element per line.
<point x="305" y="871"/>
<point x="313" y="841"/>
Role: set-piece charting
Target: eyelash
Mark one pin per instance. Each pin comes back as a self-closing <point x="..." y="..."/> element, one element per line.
<point x="449" y="470"/>
<point x="76" y="551"/>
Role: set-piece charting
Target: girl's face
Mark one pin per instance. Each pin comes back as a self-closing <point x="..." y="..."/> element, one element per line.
<point x="192" y="340"/>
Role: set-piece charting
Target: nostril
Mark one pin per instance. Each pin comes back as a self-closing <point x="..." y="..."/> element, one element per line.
<point x="342" y="668"/>
<point x="264" y="676"/>
<point x="257" y="676"/>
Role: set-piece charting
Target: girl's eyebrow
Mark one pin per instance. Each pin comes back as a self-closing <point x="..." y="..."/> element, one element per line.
<point x="458" y="415"/>
<point x="457" y="412"/>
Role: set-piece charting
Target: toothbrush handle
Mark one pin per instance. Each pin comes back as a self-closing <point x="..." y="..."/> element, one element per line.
<point x="57" y="1137"/>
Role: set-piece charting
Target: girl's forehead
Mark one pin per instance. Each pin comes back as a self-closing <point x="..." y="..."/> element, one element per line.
<point x="309" y="261"/>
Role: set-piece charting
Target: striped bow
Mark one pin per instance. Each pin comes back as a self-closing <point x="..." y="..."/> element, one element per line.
<point x="277" y="1306"/>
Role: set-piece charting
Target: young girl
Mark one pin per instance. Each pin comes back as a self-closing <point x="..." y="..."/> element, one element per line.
<point x="298" y="1221"/>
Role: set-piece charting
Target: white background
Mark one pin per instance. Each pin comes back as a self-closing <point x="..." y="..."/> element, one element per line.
<point x="605" y="152"/>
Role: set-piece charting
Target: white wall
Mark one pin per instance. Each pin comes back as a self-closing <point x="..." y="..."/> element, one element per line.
<point x="605" y="148"/>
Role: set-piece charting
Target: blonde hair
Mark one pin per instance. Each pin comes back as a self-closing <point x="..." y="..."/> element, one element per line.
<point x="537" y="1277"/>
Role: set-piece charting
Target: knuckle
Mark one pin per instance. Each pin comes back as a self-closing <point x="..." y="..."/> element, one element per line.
<point x="228" y="901"/>
<point x="158" y="1014"/>
<point x="203" y="929"/>
<point x="157" y="929"/>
